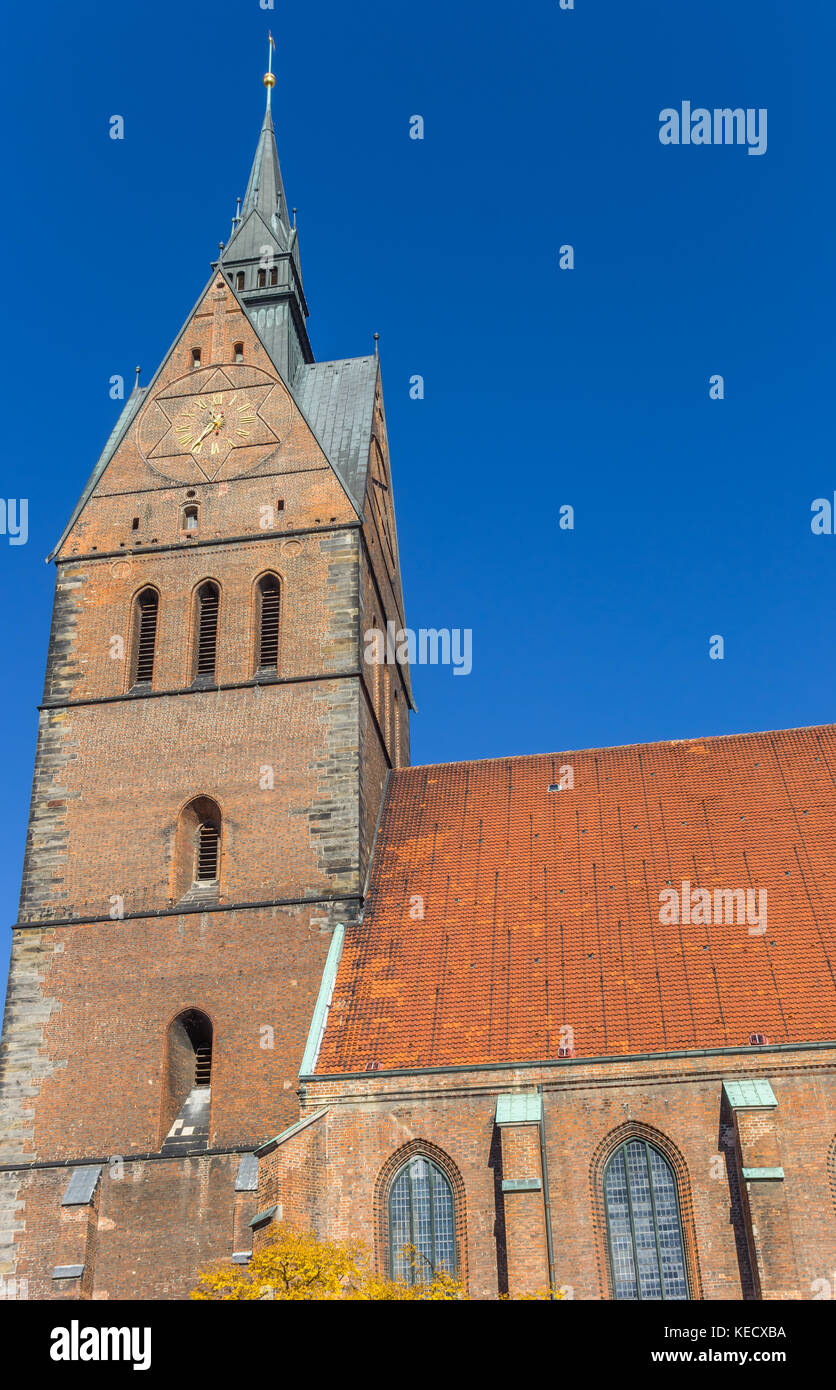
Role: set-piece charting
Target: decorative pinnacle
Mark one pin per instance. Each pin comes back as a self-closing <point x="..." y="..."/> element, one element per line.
<point x="269" y="79"/>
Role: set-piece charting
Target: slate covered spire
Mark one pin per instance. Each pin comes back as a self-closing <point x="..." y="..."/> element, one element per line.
<point x="262" y="261"/>
<point x="265" y="190"/>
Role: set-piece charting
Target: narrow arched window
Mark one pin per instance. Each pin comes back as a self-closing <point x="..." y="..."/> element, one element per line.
<point x="187" y="1084"/>
<point x="197" y="851"/>
<point x="207" y="630"/>
<point x="269" y="602"/>
<point x="644" y="1227"/>
<point x="421" y="1216"/>
<point x="238" y="351"/>
<point x="262" y="279"/>
<point x="188" y="518"/>
<point x="145" y="637"/>
<point x="239" y="280"/>
<point x="195" y="357"/>
<point x="274" y="275"/>
<point x="191" y="1035"/>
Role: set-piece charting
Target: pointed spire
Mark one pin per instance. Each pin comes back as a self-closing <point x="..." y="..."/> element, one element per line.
<point x="262" y="265"/>
<point x="265" y="190"/>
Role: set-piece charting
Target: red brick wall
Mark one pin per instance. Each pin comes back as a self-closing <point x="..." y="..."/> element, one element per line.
<point x="588" y="1108"/>
<point x="151" y="1228"/>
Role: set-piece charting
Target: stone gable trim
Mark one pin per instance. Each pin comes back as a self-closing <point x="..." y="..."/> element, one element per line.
<point x="270" y="1145"/>
<point x="179" y="911"/>
<point x="90" y="556"/>
<point x="595" y="1080"/>
<point x="129" y="697"/>
<point x="86" y="1161"/>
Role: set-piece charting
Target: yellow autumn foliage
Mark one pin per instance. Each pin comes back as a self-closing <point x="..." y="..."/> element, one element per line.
<point x="298" y="1266"/>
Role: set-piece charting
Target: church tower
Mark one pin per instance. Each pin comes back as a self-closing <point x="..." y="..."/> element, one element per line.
<point x="211" y="757"/>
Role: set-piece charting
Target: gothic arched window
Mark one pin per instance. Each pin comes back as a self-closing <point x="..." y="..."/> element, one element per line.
<point x="644" y="1228"/>
<point x="267" y="635"/>
<point x="421" y="1214"/>
<point x="144" y="637"/>
<point x="208" y="599"/>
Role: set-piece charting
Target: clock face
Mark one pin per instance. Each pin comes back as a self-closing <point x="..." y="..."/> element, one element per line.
<point x="214" y="423"/>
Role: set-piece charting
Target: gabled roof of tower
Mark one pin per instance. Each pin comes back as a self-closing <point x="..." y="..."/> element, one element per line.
<point x="541" y="918"/>
<point x="337" y="400"/>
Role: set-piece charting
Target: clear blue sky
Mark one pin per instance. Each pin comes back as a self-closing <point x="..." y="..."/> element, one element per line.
<point x="543" y="386"/>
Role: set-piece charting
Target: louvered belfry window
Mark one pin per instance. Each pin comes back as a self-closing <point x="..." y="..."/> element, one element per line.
<point x="146" y="636"/>
<point x="268" y="634"/>
<point x="203" y="1064"/>
<point x="207" y="852"/>
<point x="207" y="630"/>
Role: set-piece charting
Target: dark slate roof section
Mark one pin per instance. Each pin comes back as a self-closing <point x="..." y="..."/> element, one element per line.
<point x="337" y="400"/>
<point x="82" y="1185"/>
<point x="262" y="1217"/>
<point x="118" y="433"/>
<point x="247" y="1179"/>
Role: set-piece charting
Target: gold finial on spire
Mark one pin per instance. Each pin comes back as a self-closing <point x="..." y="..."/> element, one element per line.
<point x="269" y="79"/>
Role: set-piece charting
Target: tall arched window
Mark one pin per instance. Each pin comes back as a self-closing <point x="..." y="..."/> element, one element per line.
<point x="421" y="1214"/>
<point x="206" y="644"/>
<point x="268" y="604"/>
<point x="145" y="637"/>
<point x="644" y="1228"/>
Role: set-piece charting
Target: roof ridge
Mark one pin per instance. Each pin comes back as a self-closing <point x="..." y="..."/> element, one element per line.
<point x="617" y="747"/>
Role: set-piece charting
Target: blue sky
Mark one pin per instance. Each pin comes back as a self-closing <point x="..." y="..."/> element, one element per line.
<point x="544" y="387"/>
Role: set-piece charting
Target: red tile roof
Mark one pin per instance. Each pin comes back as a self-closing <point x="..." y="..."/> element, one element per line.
<point x="541" y="909"/>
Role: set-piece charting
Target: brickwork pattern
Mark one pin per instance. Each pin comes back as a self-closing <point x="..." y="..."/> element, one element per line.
<point x="589" y="1108"/>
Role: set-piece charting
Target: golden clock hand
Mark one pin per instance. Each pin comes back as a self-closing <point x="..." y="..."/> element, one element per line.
<point x="203" y="434"/>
